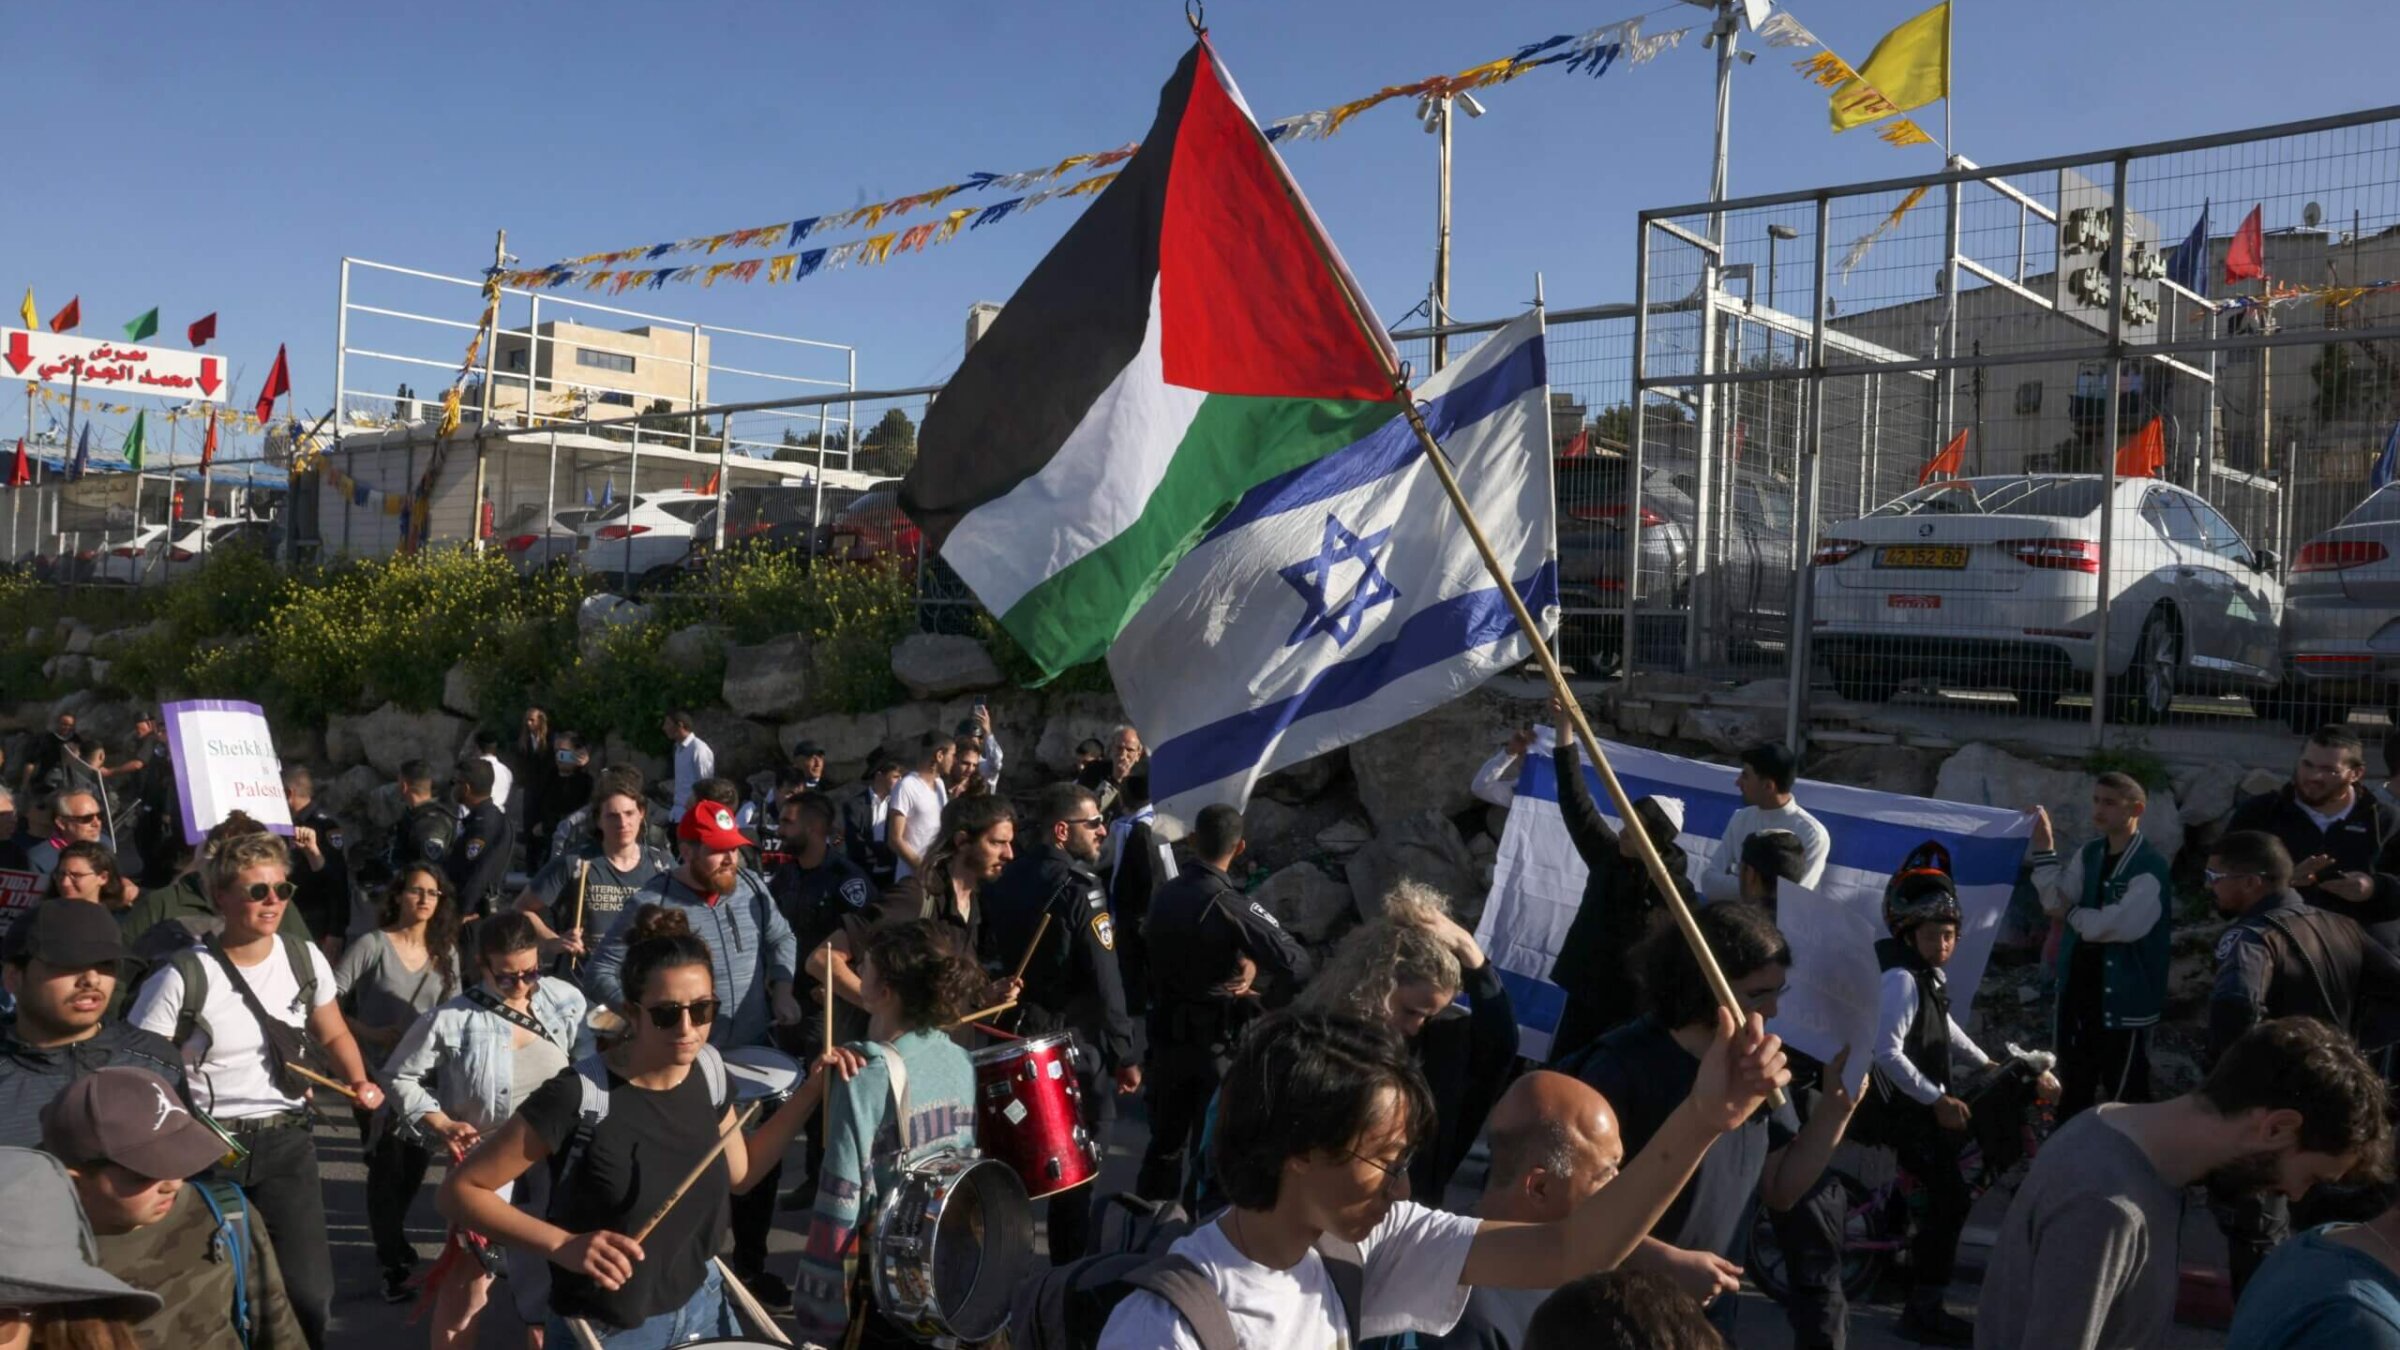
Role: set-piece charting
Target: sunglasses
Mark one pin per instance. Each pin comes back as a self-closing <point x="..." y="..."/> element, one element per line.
<point x="1089" y="822"/>
<point x="258" y="891"/>
<point x="511" y="980"/>
<point x="87" y="818"/>
<point x="2211" y="876"/>
<point x="669" y="1016"/>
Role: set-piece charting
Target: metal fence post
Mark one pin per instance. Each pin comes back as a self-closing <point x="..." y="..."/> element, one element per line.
<point x="1804" y="534"/>
<point x="1636" y="443"/>
<point x="2108" y="454"/>
<point x="341" y="374"/>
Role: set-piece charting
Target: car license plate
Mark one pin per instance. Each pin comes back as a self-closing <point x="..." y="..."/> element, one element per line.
<point x="1913" y="601"/>
<point x="1952" y="556"/>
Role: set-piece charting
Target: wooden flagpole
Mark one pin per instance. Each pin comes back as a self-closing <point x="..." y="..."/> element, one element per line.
<point x="1660" y="877"/>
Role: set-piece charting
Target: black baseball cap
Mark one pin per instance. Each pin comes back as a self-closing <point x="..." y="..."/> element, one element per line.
<point x="806" y="748"/>
<point x="67" y="934"/>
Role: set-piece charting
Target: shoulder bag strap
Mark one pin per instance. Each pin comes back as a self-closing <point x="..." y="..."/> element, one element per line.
<point x="1345" y="1266"/>
<point x="482" y="998"/>
<point x="281" y="1038"/>
<point x="1187" y="1290"/>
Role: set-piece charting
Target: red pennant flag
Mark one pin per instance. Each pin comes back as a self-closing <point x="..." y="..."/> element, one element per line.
<point x="20" y="474"/>
<point x="687" y="482"/>
<point x="1580" y="447"/>
<point x="202" y="329"/>
<point x="69" y="317"/>
<point x="2246" y="256"/>
<point x="2144" y="454"/>
<point x="279" y="383"/>
<point x="208" y="447"/>
<point x="711" y="487"/>
<point x="1952" y="458"/>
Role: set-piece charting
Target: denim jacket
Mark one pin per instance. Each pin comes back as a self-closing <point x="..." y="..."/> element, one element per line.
<point x="456" y="1059"/>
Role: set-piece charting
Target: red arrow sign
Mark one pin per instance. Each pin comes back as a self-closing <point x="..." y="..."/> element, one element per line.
<point x="20" y="351"/>
<point x="208" y="375"/>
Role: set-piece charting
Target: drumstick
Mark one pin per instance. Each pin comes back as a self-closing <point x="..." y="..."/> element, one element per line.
<point x="584" y="1334"/>
<point x="735" y="1290"/>
<point x="990" y="1030"/>
<point x="693" y="1176"/>
<point x="829" y="996"/>
<point x="583" y="876"/>
<point x="320" y="1079"/>
<point x="981" y="1013"/>
<point x="1027" y="959"/>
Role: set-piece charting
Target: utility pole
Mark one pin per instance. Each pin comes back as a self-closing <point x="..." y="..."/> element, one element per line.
<point x="1441" y="237"/>
<point x="1724" y="32"/>
<point x="491" y="340"/>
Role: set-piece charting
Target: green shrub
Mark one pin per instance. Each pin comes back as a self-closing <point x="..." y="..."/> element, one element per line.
<point x="388" y="629"/>
<point x="1019" y="669"/>
<point x="2134" y="762"/>
<point x="627" y="685"/>
<point x="854" y="615"/>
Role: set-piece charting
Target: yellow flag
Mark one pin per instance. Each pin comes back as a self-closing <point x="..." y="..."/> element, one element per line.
<point x="1908" y="69"/>
<point x="33" y="317"/>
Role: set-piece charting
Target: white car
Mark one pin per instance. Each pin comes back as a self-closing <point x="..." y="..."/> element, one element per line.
<point x="646" y="538"/>
<point x="194" y="540"/>
<point x="134" y="561"/>
<point x="1995" y="582"/>
<point x="532" y="544"/>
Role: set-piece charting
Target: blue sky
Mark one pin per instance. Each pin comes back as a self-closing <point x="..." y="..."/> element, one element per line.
<point x="201" y="158"/>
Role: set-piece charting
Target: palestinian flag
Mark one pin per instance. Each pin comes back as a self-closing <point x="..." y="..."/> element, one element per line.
<point x="1193" y="335"/>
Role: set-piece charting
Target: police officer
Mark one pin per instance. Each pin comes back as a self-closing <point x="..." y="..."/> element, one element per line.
<point x="2281" y="957"/>
<point x="1211" y="946"/>
<point x="479" y="864"/>
<point x="1072" y="981"/>
<point x="427" y="828"/>
<point x="818" y="887"/>
<point x="319" y="867"/>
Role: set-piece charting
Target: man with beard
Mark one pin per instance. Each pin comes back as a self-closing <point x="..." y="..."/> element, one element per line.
<point x="2087" y="1255"/>
<point x="2332" y="828"/>
<point x="60" y="964"/>
<point x="753" y="955"/>
<point x="977" y="840"/>
<point x="1071" y="977"/>
<point x="2281" y="957"/>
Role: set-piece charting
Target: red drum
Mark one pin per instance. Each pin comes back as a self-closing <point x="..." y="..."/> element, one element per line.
<point x="1028" y="1113"/>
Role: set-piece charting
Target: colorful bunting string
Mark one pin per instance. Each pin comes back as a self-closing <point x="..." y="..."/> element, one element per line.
<point x="231" y="419"/>
<point x="1827" y="70"/>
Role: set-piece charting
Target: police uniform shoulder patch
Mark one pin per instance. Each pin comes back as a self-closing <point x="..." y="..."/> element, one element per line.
<point x="434" y="848"/>
<point x="1259" y="911"/>
<point x="856" y="893"/>
<point x="335" y="839"/>
<point x="2231" y="939"/>
<point x="474" y="848"/>
<point x="1105" y="931"/>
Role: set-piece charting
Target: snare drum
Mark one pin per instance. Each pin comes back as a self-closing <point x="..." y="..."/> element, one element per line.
<point x="950" y="1244"/>
<point x="1028" y="1113"/>
<point x="763" y="1074"/>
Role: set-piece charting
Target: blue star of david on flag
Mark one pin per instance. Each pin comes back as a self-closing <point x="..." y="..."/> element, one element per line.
<point x="1313" y="579"/>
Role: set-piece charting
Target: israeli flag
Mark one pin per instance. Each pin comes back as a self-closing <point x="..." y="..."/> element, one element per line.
<point x="1537" y="885"/>
<point x="1345" y="597"/>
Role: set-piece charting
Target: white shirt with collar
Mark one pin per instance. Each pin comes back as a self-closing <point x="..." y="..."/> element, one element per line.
<point x="693" y="762"/>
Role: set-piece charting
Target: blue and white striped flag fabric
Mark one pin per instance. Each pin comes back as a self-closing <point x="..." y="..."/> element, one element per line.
<point x="1345" y="597"/>
<point x="1537" y="885"/>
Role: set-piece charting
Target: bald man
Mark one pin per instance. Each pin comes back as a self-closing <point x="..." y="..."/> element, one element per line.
<point x="1554" y="1141"/>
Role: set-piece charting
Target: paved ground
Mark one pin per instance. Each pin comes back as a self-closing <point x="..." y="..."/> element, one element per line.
<point x="362" y="1321"/>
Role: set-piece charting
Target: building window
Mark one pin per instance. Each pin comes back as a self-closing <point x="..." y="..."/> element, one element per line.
<point x="2029" y="396"/>
<point x="617" y="400"/>
<point x="598" y="360"/>
<point x="516" y="359"/>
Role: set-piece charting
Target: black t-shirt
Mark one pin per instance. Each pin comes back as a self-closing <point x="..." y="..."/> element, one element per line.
<point x="640" y="1151"/>
<point x="1645" y="1075"/>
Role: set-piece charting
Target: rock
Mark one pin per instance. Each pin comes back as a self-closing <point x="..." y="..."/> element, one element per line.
<point x="698" y="646"/>
<point x="98" y="716"/>
<point x="390" y="737"/>
<point x="770" y="680"/>
<point x="66" y="668"/>
<point x="1345" y="837"/>
<point x="1424" y="848"/>
<point x="938" y="665"/>
<point x="609" y="611"/>
<point x="78" y="640"/>
<point x="1270" y="827"/>
<point x="655" y="770"/>
<point x="1730" y="730"/>
<point x="743" y="747"/>
<point x="1984" y="776"/>
<point x="342" y="749"/>
<point x="1637" y="710"/>
<point x="1311" y="905"/>
<point x="96" y="670"/>
<point x="1882" y="768"/>
<point x="2258" y="782"/>
<point x="1073" y="719"/>
<point x="1428" y="763"/>
<point x="850" y="739"/>
<point x="345" y="794"/>
<point x="381" y="808"/>
<point x="2207" y="795"/>
<point x="458" y="691"/>
<point x="1301" y="783"/>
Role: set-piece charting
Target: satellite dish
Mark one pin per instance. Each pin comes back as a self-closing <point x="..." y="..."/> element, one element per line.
<point x="2311" y="215"/>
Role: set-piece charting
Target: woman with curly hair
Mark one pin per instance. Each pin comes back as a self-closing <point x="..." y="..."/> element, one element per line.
<point x="1403" y="970"/>
<point x="914" y="979"/>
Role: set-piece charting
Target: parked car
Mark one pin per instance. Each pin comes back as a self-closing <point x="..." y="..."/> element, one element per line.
<point x="646" y="538"/>
<point x="874" y="528"/>
<point x="2341" y="616"/>
<point x="1594" y="510"/>
<point x="1995" y="582"/>
<point x="531" y="543"/>
<point x="130" y="562"/>
<point x="194" y="540"/>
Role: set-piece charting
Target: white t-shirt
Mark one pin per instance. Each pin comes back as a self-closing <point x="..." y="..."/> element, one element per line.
<point x="921" y="802"/>
<point x="232" y="1083"/>
<point x="1724" y="879"/>
<point x="1413" y="1261"/>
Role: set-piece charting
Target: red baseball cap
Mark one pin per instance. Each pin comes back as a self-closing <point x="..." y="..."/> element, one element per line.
<point x="710" y="825"/>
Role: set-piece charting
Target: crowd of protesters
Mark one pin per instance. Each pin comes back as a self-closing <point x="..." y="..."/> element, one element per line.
<point x="520" y="933"/>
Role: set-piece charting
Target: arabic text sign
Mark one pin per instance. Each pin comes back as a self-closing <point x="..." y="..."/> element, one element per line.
<point x="225" y="762"/>
<point x="126" y="367"/>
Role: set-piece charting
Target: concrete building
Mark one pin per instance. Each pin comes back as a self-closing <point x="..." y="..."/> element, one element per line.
<point x="573" y="370"/>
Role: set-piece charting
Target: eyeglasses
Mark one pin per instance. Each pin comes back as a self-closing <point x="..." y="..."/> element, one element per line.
<point x="669" y="1016"/>
<point x="78" y="876"/>
<point x="258" y="891"/>
<point x="2210" y="876"/>
<point x="514" y="979"/>
<point x="1394" y="1171"/>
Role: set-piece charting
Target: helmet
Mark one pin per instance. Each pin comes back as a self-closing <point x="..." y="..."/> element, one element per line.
<point x="1921" y="891"/>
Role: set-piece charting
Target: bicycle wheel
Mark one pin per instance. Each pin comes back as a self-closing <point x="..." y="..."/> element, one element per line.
<point x="1861" y="1263"/>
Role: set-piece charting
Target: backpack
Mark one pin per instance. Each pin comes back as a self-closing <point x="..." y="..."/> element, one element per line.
<point x="231" y="1209"/>
<point x="1065" y="1308"/>
<point x="188" y="963"/>
<point x="591" y="1075"/>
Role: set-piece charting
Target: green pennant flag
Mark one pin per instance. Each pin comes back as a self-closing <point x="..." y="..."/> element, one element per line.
<point x="142" y="327"/>
<point x="133" y="438"/>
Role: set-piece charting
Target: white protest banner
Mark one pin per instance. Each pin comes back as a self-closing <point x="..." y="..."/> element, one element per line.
<point x="1537" y="885"/>
<point x="19" y="893"/>
<point x="225" y="762"/>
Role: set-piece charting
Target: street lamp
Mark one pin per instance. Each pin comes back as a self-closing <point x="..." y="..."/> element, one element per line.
<point x="1435" y="112"/>
<point x="1775" y="234"/>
